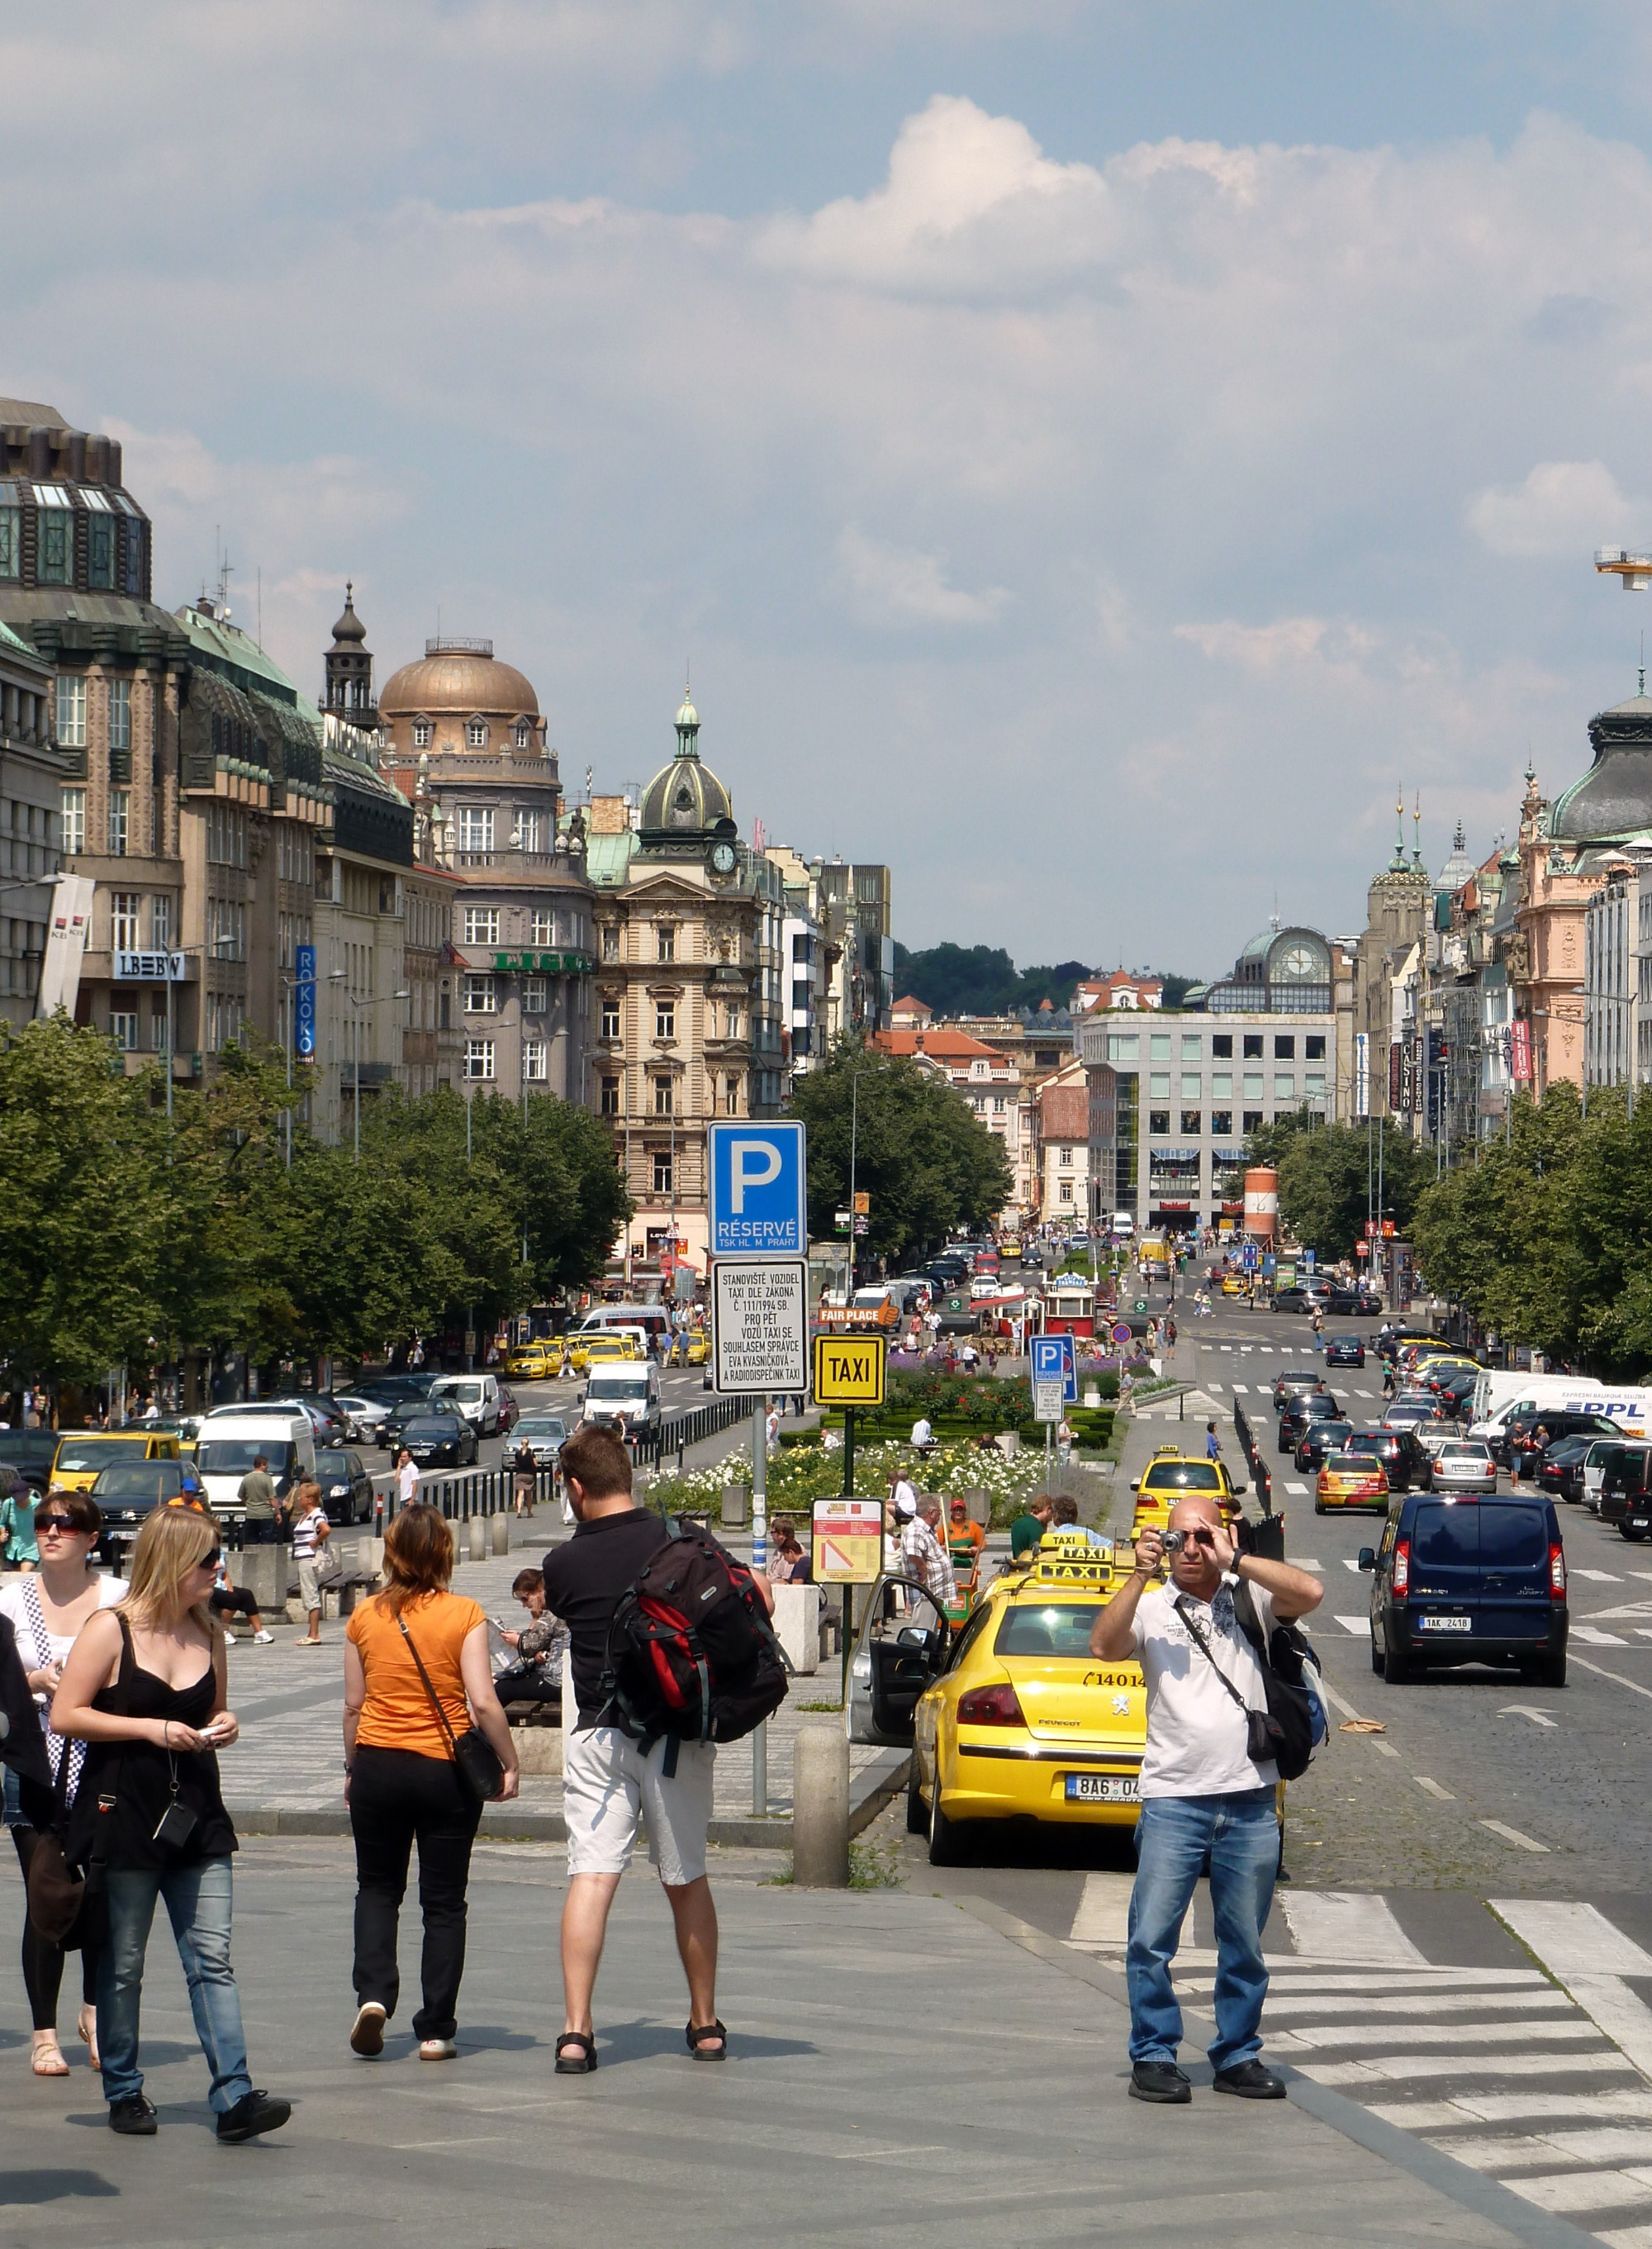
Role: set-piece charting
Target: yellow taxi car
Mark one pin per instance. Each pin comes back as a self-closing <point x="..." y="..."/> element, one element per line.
<point x="83" y="1454"/>
<point x="1350" y="1480"/>
<point x="531" y="1361"/>
<point x="699" y="1348"/>
<point x="1170" y="1476"/>
<point x="1025" y="1724"/>
<point x="1233" y="1284"/>
<point x="602" y="1349"/>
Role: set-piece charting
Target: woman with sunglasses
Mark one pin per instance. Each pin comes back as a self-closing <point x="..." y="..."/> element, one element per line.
<point x="46" y="1610"/>
<point x="144" y="1688"/>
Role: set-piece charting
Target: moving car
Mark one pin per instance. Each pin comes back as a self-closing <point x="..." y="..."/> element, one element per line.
<point x="186" y="1428"/>
<point x="83" y="1454"/>
<point x="1345" y="1351"/>
<point x="1307" y="1406"/>
<point x="1168" y="1476"/>
<point x="476" y="1397"/>
<point x="347" y="1488"/>
<point x="529" y="1362"/>
<point x="631" y="1394"/>
<point x="231" y="1446"/>
<point x="1016" y="1719"/>
<point x="364" y="1419"/>
<point x="1233" y="1284"/>
<point x="1319" y="1440"/>
<point x="1292" y="1378"/>
<point x="1350" y="1480"/>
<point x="1463" y="1465"/>
<point x="393" y="1436"/>
<point x="1468" y="1581"/>
<point x="1560" y="1470"/>
<point x="439" y="1440"/>
<point x="130" y="1491"/>
<point x="603" y="1348"/>
<point x="1404" y="1463"/>
<point x="546" y="1434"/>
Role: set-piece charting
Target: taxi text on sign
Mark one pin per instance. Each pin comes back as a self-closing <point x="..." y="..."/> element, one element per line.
<point x="759" y="1324"/>
<point x="758" y="1190"/>
<point x="848" y="1370"/>
<point x="849" y="1541"/>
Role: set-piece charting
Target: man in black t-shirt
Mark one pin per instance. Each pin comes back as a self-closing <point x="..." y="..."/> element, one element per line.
<point x="606" y="1782"/>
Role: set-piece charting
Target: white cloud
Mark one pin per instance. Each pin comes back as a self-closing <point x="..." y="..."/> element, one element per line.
<point x="1563" y="507"/>
<point x="903" y="585"/>
<point x="1258" y="650"/>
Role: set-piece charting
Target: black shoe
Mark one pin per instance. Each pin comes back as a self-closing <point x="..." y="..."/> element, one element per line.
<point x="252" y="2114"/>
<point x="1160" y="2081"/>
<point x="135" y="2116"/>
<point x="1251" y="2081"/>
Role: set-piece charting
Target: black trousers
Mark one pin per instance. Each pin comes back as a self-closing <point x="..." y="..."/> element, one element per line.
<point x="526" y="1682"/>
<point x="398" y="1798"/>
<point x="42" y="1961"/>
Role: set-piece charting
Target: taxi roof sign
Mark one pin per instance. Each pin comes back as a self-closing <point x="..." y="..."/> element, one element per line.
<point x="849" y="1369"/>
<point x="1064" y="1559"/>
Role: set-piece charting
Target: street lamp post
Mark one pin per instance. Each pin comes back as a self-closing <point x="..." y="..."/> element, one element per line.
<point x="373" y="1000"/>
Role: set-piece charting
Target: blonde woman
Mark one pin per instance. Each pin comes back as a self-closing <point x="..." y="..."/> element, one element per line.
<point x="401" y="1781"/>
<point x="144" y="1688"/>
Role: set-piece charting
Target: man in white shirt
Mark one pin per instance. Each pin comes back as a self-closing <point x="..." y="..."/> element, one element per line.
<point x="1202" y="1792"/>
<point x="922" y="1434"/>
<point x="925" y="1557"/>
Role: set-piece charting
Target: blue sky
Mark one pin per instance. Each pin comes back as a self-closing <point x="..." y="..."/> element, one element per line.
<point x="1092" y="454"/>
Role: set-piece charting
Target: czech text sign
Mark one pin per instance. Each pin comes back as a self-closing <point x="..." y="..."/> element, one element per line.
<point x="760" y="1325"/>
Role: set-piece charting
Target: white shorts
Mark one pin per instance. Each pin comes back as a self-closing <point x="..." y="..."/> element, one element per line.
<point x="607" y="1785"/>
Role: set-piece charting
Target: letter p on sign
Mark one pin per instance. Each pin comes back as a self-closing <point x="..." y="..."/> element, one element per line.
<point x="751" y="1164"/>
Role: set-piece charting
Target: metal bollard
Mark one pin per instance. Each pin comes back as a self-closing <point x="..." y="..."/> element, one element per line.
<point x="502" y="1534"/>
<point x="820" y="1808"/>
<point x="478" y="1539"/>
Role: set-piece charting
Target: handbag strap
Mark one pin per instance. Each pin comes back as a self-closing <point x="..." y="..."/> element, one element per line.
<point x="436" y="1699"/>
<point x="1186" y="1615"/>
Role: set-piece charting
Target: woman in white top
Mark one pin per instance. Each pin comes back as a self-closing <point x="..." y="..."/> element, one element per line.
<point x="46" y="1610"/>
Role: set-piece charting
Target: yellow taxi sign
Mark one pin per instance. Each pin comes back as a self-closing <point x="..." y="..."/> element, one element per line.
<point x="1065" y="1560"/>
<point x="848" y="1370"/>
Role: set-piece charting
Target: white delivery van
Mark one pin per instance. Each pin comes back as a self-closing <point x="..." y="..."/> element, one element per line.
<point x="476" y="1397"/>
<point x="1497" y="1390"/>
<point x="1123" y="1224"/>
<point x="654" y="1320"/>
<point x="623" y="1387"/>
<point x="232" y="1438"/>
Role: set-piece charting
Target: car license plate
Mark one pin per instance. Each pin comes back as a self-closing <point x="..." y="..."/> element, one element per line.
<point x="1103" y="1788"/>
<point x="1446" y="1624"/>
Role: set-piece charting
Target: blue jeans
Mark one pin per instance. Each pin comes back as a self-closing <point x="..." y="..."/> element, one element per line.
<point x="1242" y="1837"/>
<point x="198" y="1900"/>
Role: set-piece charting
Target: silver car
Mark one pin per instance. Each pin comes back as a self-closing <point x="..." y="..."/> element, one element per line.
<point x="1464" y="1465"/>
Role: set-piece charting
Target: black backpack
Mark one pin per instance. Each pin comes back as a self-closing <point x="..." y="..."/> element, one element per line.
<point x="1288" y="1662"/>
<point x="691" y="1654"/>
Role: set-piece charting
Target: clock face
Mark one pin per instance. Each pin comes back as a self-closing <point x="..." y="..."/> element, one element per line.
<point x="723" y="858"/>
<point x="1300" y="964"/>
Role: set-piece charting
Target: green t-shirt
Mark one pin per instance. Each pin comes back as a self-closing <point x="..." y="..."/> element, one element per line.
<point x="1025" y="1532"/>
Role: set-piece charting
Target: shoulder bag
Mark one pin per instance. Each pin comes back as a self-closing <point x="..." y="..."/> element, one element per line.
<point x="481" y="1773"/>
<point x="1284" y="1732"/>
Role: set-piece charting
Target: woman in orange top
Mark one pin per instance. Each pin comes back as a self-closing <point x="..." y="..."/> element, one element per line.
<point x="964" y="1542"/>
<point x="401" y="1780"/>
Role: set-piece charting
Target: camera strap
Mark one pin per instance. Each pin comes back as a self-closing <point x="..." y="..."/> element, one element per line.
<point x="1183" y="1609"/>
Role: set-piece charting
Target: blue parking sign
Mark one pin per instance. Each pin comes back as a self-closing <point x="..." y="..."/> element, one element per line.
<point x="760" y="1185"/>
<point x="1054" y="1361"/>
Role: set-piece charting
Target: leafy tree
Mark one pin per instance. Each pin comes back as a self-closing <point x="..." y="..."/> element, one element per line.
<point x="1327" y="1178"/>
<point x="927" y="1163"/>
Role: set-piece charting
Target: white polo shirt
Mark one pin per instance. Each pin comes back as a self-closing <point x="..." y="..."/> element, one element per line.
<point x="1195" y="1730"/>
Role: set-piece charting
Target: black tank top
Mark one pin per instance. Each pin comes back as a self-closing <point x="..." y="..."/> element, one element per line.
<point x="127" y="1787"/>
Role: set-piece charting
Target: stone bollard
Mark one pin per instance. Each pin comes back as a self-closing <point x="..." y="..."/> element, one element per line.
<point x="500" y="1534"/>
<point x="820" y="1808"/>
<point x="478" y="1538"/>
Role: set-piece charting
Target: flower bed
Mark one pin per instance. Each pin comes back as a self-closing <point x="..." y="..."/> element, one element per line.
<point x="800" y="1475"/>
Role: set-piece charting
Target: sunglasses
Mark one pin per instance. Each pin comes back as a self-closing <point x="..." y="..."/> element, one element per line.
<point x="46" y="1526"/>
<point x="209" y="1561"/>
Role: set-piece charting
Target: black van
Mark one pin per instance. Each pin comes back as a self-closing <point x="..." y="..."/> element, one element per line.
<point x="1626" y="1490"/>
<point x="1468" y="1581"/>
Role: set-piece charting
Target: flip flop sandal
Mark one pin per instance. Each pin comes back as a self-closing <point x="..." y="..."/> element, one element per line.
<point x="698" y="2036"/>
<point x="584" y="2062"/>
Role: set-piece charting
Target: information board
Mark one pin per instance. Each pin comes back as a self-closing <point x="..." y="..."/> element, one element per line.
<point x="760" y="1326"/>
<point x="849" y="1541"/>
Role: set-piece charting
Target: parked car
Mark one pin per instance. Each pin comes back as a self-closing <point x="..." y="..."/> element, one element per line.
<point x="130" y="1491"/>
<point x="509" y="1411"/>
<point x="1345" y="1351"/>
<point x="1560" y="1469"/>
<point x="82" y="1454"/>
<point x="1558" y="1425"/>
<point x="1350" y="1303"/>
<point x="1626" y="1492"/>
<point x="1293" y="1300"/>
<point x="546" y="1434"/>
<point x="1454" y="1584"/>
<point x="347" y="1488"/>
<point x="529" y="1362"/>
<point x="1601" y="1455"/>
<point x="31" y="1452"/>
<point x="439" y="1440"/>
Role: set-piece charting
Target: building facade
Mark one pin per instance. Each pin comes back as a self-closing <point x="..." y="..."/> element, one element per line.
<point x="1063" y="1102"/>
<point x="32" y="780"/>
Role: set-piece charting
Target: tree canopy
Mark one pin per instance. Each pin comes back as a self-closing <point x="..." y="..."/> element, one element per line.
<point x="1328" y="1177"/>
<point x="979" y="980"/>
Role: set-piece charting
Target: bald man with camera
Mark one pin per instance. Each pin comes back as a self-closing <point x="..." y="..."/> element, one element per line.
<point x="1208" y="1787"/>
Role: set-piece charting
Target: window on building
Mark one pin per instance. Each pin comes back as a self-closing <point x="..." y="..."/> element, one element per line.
<point x="1190" y="1126"/>
<point x="422" y="733"/>
<point x="125" y="907"/>
<point x="731" y="1097"/>
<point x="662" y="1171"/>
<point x="100" y="551"/>
<point x="158" y="1027"/>
<point x="476" y="828"/>
<point x="1253" y="1046"/>
<point x="1251" y="1120"/>
<point x="1313" y="1046"/>
<point x="1313" y="1085"/>
<point x="1221" y="1083"/>
<point x="533" y="1069"/>
<point x="526" y="830"/>
<point x="610" y="1097"/>
<point x="1192" y="1046"/>
<point x="665" y="940"/>
<point x="1253" y="1085"/>
<point x="541" y="927"/>
<point x="72" y="710"/>
<point x="662" y="1102"/>
<point x="478" y="1057"/>
<point x="1191" y="1085"/>
<point x="475" y="733"/>
<point x="10" y="541"/>
<point x="1064" y="1156"/>
<point x="1222" y="1046"/>
<point x="161" y="922"/>
<point x="482" y="926"/>
<point x="74" y="821"/>
<point x="1284" y="1085"/>
<point x="1159" y="1046"/>
<point x="132" y="559"/>
<point x="610" y="1018"/>
<point x="978" y="1069"/>
<point x="1285" y="1049"/>
<point x="610" y="940"/>
<point x="56" y="566"/>
<point x="734" y="1023"/>
<point x="999" y="1106"/>
<point x="120" y="714"/>
<point x="534" y="989"/>
<point x="120" y="821"/>
<point x="1159" y="1123"/>
<point x="123" y="1029"/>
<point x="665" y="1019"/>
<point x="1064" y="1192"/>
<point x="1159" y="1084"/>
<point x="1123" y="1046"/>
<point x="481" y="996"/>
<point x="522" y="734"/>
<point x="1221" y="1120"/>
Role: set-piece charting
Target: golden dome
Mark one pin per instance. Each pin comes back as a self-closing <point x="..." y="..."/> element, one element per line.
<point x="458" y="680"/>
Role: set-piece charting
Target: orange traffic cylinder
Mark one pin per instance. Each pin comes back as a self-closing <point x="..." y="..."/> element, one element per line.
<point x="1262" y="1202"/>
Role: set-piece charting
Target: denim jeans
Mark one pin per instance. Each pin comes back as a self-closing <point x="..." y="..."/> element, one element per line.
<point x="198" y="1900"/>
<point x="1242" y="1837"/>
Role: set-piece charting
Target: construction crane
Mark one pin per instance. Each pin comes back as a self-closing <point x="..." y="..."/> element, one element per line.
<point x="1635" y="570"/>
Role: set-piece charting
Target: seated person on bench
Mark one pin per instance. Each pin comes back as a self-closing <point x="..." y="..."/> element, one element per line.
<point x="535" y="1676"/>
